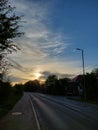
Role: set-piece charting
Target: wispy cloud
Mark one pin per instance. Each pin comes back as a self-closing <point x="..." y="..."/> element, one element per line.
<point x="37" y="34"/>
<point x="40" y="44"/>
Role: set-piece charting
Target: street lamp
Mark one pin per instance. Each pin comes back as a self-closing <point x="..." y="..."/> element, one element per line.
<point x="82" y="51"/>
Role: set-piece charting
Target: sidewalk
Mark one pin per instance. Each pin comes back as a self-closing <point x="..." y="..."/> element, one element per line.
<point x="20" y="118"/>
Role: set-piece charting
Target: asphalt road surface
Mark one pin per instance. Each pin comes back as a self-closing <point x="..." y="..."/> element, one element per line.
<point x="44" y="112"/>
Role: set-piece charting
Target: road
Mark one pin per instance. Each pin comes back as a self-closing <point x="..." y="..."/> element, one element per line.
<point x="55" y="113"/>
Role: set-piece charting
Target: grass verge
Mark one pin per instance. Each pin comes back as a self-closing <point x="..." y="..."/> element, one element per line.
<point x="7" y="103"/>
<point x="86" y="101"/>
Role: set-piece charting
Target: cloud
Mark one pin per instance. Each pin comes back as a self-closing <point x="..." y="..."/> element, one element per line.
<point x="61" y="69"/>
<point x="40" y="44"/>
<point x="19" y="67"/>
<point x="37" y="34"/>
<point x="45" y="74"/>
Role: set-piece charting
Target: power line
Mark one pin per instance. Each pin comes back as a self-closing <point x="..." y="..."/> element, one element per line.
<point x="87" y="68"/>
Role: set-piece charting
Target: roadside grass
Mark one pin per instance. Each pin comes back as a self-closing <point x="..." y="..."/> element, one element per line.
<point x="86" y="101"/>
<point x="92" y="102"/>
<point x="7" y="103"/>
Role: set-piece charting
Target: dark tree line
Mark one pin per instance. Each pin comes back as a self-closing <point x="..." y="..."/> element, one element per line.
<point x="31" y="86"/>
<point x="55" y="86"/>
<point x="9" y="29"/>
<point x="51" y="86"/>
<point x="91" y="83"/>
<point x="64" y="86"/>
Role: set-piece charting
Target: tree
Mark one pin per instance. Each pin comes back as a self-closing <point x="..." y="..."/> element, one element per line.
<point x="9" y="29"/>
<point x="32" y="86"/>
<point x="55" y="86"/>
<point x="4" y="65"/>
<point x="5" y="89"/>
<point x="91" y="84"/>
<point x="95" y="72"/>
<point x="18" y="89"/>
<point x="51" y="84"/>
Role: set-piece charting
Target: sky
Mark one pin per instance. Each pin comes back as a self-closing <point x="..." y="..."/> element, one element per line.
<point x="53" y="30"/>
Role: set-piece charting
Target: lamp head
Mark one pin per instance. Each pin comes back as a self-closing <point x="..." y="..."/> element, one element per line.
<point x="78" y="49"/>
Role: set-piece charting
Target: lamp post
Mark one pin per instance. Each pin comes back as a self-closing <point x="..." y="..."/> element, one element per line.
<point x="82" y="52"/>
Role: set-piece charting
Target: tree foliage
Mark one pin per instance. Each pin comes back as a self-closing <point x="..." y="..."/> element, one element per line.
<point x="56" y="86"/>
<point x="31" y="86"/>
<point x="91" y="83"/>
<point x="95" y="72"/>
<point x="5" y="89"/>
<point x="50" y="84"/>
<point x="9" y="29"/>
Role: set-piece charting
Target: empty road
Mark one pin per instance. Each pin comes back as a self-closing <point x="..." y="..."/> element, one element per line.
<point x="53" y="113"/>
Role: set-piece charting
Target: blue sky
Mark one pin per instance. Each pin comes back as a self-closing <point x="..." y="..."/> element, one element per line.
<point x="53" y="30"/>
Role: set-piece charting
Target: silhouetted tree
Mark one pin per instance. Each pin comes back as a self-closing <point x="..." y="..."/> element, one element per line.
<point x="18" y="89"/>
<point x="31" y="86"/>
<point x="95" y="72"/>
<point x="91" y="83"/>
<point x="5" y="89"/>
<point x="51" y="84"/>
<point x="8" y="30"/>
<point x="55" y="86"/>
<point x="8" y="26"/>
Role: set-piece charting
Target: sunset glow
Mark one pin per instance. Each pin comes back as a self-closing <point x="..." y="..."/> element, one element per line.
<point x="53" y="29"/>
<point x="37" y="75"/>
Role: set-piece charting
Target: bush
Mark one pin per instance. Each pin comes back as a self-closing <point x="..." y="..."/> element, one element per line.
<point x="5" y="89"/>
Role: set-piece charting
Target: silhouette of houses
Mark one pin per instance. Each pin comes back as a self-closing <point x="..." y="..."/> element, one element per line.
<point x="75" y="87"/>
<point x="77" y="79"/>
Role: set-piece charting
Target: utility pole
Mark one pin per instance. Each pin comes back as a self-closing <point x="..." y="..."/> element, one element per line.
<point x="82" y="52"/>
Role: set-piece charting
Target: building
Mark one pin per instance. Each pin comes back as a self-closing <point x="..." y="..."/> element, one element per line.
<point x="75" y="88"/>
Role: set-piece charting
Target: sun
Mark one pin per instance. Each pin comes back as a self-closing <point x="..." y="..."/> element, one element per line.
<point x="37" y="75"/>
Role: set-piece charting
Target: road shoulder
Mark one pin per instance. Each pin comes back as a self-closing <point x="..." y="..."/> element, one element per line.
<point x="21" y="117"/>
